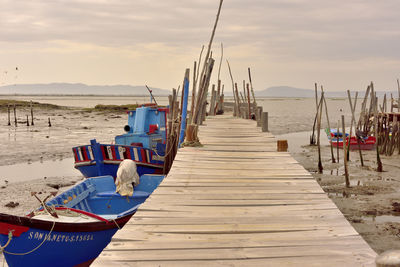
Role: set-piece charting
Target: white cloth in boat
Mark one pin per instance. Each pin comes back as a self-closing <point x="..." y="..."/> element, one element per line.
<point x="127" y="177"/>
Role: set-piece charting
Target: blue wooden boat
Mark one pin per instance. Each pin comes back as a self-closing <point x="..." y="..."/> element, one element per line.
<point x="144" y="142"/>
<point x="89" y="214"/>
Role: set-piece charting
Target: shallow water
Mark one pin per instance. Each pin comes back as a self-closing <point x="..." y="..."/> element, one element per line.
<point x="382" y="218"/>
<point x="297" y="140"/>
<point x="38" y="170"/>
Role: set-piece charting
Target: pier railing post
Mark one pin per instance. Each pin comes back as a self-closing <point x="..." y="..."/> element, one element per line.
<point x="264" y="122"/>
<point x="259" y="112"/>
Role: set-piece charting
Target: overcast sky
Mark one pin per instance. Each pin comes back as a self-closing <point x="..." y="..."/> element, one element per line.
<point x="342" y="44"/>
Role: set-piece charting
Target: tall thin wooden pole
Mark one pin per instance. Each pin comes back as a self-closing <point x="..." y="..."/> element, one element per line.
<point x="376" y="132"/>
<point x="398" y="96"/>
<point x="251" y="87"/>
<point x="248" y="100"/>
<point x="346" y="171"/>
<point x="337" y="140"/>
<point x="320" y="168"/>
<point x="32" y="114"/>
<point x="329" y="125"/>
<point x="212" y="37"/>
<point x="220" y="61"/>
<point x="9" y="117"/>
<point x="15" y="116"/>
<point x="193" y="93"/>
<point x="312" y="139"/>
<point x="352" y="108"/>
<point x="235" y="97"/>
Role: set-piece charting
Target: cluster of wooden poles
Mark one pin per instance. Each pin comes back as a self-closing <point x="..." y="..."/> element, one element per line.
<point x="388" y="126"/>
<point x="384" y="126"/>
<point x="14" y="109"/>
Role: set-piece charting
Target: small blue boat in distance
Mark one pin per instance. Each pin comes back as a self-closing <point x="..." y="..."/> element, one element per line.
<point x="73" y="228"/>
<point x="144" y="142"/>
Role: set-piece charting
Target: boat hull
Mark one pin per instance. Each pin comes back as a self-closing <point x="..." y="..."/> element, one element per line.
<point x="46" y="243"/>
<point x="367" y="144"/>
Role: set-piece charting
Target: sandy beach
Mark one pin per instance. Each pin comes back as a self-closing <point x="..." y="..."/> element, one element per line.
<point x="371" y="204"/>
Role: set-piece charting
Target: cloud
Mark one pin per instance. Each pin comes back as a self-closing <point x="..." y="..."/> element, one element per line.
<point x="265" y="33"/>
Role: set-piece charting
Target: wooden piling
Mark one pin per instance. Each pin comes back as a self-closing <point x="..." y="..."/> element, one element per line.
<point x="337" y="140"/>
<point x="264" y="122"/>
<point x="374" y="104"/>
<point x="312" y="137"/>
<point x="15" y="116"/>
<point x="259" y="112"/>
<point x="9" y="117"/>
<point x="248" y="101"/>
<point x="49" y="122"/>
<point x="346" y="171"/>
<point x="32" y="123"/>
<point x="212" y="101"/>
<point x="320" y="167"/>
<point x="27" y="120"/>
<point x="398" y="94"/>
<point x="352" y="108"/>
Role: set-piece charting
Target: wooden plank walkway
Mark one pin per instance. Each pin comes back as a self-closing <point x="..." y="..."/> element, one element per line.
<point x="237" y="202"/>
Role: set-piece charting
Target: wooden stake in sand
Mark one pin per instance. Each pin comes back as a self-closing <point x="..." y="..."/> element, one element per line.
<point x="352" y="108"/>
<point x="337" y="140"/>
<point x="49" y="122"/>
<point x="346" y="171"/>
<point x="320" y="168"/>
<point x="27" y="120"/>
<point x="248" y="100"/>
<point x="15" y="116"/>
<point x="32" y="114"/>
<point x="374" y="104"/>
<point x="398" y="96"/>
<point x="9" y="117"/>
<point x="312" y="137"/>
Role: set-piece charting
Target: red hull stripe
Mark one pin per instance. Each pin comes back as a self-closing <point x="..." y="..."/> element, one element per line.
<point x="113" y="153"/>
<point x="5" y="228"/>
<point x="75" y="154"/>
<point x="143" y="154"/>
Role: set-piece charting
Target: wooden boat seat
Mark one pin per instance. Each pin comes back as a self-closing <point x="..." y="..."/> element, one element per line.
<point x="136" y="194"/>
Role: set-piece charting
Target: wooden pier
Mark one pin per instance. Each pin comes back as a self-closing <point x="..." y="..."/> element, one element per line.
<point x="237" y="202"/>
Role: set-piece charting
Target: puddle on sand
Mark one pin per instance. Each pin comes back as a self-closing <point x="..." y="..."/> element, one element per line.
<point x="334" y="172"/>
<point x="346" y="195"/>
<point x="38" y="170"/>
<point x="382" y="218"/>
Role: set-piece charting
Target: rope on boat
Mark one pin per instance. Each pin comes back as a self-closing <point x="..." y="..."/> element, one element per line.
<point x="8" y="241"/>
<point x="119" y="228"/>
<point x="26" y="253"/>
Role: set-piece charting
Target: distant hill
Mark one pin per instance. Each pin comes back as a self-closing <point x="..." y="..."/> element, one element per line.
<point x="287" y="91"/>
<point x="78" y="89"/>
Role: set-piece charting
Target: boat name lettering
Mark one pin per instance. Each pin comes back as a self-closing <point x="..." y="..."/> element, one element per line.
<point x="60" y="238"/>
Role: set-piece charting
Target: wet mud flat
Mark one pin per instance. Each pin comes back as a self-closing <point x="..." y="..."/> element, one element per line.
<point x="39" y="158"/>
<point x="372" y="203"/>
